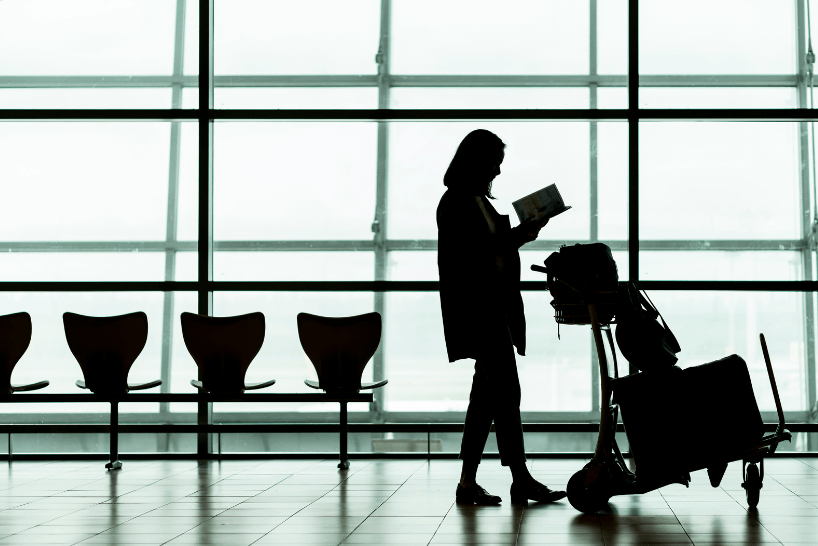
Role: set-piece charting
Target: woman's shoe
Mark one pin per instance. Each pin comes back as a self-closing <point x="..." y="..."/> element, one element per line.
<point x="475" y="494"/>
<point x="534" y="490"/>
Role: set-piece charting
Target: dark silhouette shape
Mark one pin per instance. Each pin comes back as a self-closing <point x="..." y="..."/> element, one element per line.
<point x="15" y="337"/>
<point x="339" y="349"/>
<point x="482" y="309"/>
<point x="106" y="348"/>
<point x="223" y="348"/>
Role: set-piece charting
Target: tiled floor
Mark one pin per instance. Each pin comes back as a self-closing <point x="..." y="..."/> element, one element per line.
<point x="409" y="502"/>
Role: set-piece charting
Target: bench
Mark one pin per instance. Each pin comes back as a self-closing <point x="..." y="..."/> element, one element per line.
<point x="114" y="463"/>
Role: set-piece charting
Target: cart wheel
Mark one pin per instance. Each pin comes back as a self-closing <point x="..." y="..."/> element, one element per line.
<point x="588" y="489"/>
<point x="752" y="484"/>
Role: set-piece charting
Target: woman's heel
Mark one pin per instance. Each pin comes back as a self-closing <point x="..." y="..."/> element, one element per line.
<point x="522" y="493"/>
<point x="518" y="494"/>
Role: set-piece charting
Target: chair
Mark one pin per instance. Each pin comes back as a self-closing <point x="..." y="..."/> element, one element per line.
<point x="339" y="349"/>
<point x="223" y="348"/>
<point x="106" y="348"/>
<point x="15" y="336"/>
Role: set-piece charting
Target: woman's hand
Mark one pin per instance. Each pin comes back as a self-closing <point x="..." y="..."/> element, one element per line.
<point x="530" y="228"/>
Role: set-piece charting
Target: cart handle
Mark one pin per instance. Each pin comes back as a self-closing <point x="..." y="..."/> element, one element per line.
<point x="778" y="407"/>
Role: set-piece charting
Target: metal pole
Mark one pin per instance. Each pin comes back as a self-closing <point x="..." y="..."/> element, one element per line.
<point x="633" y="139"/>
<point x="633" y="144"/>
<point x="343" y="456"/>
<point x="173" y="209"/>
<point x="379" y="225"/>
<point x="113" y="463"/>
<point x="205" y="266"/>
<point x="594" y="189"/>
<point x="807" y="215"/>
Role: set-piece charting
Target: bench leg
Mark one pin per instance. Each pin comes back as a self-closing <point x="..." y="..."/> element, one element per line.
<point x="344" y="463"/>
<point x="114" y="463"/>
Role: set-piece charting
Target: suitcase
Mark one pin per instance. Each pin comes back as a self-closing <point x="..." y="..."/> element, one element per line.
<point x="684" y="420"/>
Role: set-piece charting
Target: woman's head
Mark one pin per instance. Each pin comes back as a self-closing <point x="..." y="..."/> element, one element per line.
<point x="476" y="163"/>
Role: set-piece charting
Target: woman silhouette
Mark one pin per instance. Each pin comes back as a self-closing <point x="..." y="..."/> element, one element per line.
<point x="483" y="319"/>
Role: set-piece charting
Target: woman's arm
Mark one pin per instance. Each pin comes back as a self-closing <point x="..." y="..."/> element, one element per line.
<point x="460" y="219"/>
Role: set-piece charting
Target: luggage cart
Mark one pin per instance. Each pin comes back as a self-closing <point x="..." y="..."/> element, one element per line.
<point x="607" y="474"/>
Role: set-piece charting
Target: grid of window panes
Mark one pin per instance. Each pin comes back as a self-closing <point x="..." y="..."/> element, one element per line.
<point x="355" y="200"/>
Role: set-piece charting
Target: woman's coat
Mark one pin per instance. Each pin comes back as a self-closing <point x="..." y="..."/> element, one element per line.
<point x="478" y="291"/>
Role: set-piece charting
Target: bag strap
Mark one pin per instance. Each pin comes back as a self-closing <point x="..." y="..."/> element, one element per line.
<point x="672" y="338"/>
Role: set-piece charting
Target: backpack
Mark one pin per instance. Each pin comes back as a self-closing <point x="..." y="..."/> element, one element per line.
<point x="644" y="341"/>
<point x="583" y="269"/>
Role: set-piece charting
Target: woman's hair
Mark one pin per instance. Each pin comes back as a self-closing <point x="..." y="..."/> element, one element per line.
<point x="472" y="164"/>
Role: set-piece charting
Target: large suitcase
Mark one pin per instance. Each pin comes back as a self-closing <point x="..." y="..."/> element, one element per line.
<point x="684" y="420"/>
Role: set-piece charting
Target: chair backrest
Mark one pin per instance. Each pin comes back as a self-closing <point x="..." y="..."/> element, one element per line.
<point x="15" y="337"/>
<point x="223" y="348"/>
<point x="106" y="348"/>
<point x="339" y="347"/>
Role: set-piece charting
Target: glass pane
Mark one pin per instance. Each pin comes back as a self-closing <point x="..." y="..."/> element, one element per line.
<point x="81" y="181"/>
<point x="418" y="265"/>
<point x="612" y="37"/>
<point x="555" y="374"/>
<point x="612" y="97"/>
<point x="282" y="357"/>
<point x="421" y="265"/>
<point x="85" y="98"/>
<point x="421" y="378"/>
<point x="482" y="37"/>
<point x="191" y="60"/>
<point x="488" y="97"/>
<point x="294" y="266"/>
<point x="48" y="356"/>
<point x="537" y="154"/>
<point x="187" y="267"/>
<point x="87" y="37"/>
<point x="296" y="97"/>
<point x="284" y="181"/>
<point x="718" y="97"/>
<point x="182" y="366"/>
<point x="187" y="223"/>
<point x="305" y="37"/>
<point x="725" y="37"/>
<point x="612" y="180"/>
<point x="82" y="266"/>
<point x="719" y="181"/>
<point x="712" y="325"/>
<point x="556" y="371"/>
<point x="721" y="266"/>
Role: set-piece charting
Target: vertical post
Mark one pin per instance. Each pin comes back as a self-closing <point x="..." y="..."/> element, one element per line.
<point x="594" y="181"/>
<point x="11" y="453"/>
<point x="379" y="225"/>
<point x="113" y="463"/>
<point x="807" y="214"/>
<point x="343" y="456"/>
<point x="205" y="258"/>
<point x="633" y="144"/>
<point x="173" y="207"/>
<point x="633" y="139"/>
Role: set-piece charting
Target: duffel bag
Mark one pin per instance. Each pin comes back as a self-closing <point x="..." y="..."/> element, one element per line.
<point x="645" y="342"/>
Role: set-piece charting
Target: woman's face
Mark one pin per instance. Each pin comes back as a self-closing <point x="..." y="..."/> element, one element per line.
<point x="494" y="169"/>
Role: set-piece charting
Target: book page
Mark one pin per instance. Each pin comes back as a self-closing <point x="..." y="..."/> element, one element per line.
<point x="543" y="203"/>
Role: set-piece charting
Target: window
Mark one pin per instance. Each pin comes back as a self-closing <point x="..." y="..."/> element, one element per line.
<point x="333" y="123"/>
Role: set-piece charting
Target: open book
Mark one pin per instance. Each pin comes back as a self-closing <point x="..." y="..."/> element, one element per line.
<point x="545" y="203"/>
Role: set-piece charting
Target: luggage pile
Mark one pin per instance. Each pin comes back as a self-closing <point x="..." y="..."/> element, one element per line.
<point x="676" y="420"/>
